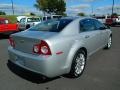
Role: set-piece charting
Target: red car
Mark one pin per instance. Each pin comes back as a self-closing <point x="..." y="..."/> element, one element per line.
<point x="6" y="27"/>
<point x="111" y="20"/>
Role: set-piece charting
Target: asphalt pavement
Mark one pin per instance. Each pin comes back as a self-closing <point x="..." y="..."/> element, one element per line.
<point x="102" y="72"/>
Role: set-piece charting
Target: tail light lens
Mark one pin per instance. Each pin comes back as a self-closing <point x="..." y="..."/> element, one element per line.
<point x="42" y="48"/>
<point x="11" y="42"/>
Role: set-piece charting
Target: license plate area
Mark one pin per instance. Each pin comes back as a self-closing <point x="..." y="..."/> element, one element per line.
<point x="20" y="60"/>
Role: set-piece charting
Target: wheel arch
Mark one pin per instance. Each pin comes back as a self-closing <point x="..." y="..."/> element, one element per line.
<point x="71" y="55"/>
<point x="111" y="35"/>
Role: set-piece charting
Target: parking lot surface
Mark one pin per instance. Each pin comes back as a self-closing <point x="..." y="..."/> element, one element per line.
<point x="102" y="72"/>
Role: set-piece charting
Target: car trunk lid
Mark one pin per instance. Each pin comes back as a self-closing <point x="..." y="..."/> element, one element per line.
<point x="24" y="41"/>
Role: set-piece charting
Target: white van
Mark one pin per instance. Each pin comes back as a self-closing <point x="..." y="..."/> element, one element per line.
<point x="44" y="18"/>
<point x="20" y="17"/>
<point x="118" y="20"/>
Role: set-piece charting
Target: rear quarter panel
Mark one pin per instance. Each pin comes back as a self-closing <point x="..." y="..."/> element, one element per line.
<point x="2" y="27"/>
<point x="12" y="27"/>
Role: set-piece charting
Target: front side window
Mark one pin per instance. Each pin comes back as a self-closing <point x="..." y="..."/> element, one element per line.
<point x="22" y="20"/>
<point x="51" y="25"/>
<point x="87" y="25"/>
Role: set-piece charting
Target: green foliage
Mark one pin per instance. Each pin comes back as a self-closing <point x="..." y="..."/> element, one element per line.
<point x="41" y="5"/>
<point x="11" y="18"/>
<point x="114" y="14"/>
<point x="2" y="13"/>
<point x="81" y="14"/>
<point x="32" y="14"/>
<point x="51" y="6"/>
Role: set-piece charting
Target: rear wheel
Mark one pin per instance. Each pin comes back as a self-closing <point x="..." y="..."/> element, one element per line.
<point x="78" y="64"/>
<point x="109" y="43"/>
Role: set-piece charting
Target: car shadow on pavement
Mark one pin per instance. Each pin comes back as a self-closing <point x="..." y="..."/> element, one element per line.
<point x="3" y="36"/>
<point x="116" y="26"/>
<point x="28" y="75"/>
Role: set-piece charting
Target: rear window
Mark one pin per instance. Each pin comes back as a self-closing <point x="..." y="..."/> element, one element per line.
<point x="1" y="21"/>
<point x="51" y="25"/>
<point x="4" y="21"/>
<point x="57" y="17"/>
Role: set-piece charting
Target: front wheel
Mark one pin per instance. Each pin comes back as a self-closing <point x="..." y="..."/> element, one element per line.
<point x="28" y="26"/>
<point x="108" y="46"/>
<point x="78" y="64"/>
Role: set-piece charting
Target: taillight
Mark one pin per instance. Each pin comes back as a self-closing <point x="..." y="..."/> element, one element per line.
<point x="42" y="48"/>
<point x="11" y="42"/>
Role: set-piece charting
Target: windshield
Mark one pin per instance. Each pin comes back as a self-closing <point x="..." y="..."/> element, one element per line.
<point x="51" y="25"/>
<point x="33" y="19"/>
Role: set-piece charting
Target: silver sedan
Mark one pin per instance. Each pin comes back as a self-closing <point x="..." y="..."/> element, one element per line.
<point x="57" y="47"/>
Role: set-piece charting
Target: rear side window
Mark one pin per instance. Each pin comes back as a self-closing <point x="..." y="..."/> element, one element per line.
<point x="99" y="25"/>
<point x="87" y="25"/>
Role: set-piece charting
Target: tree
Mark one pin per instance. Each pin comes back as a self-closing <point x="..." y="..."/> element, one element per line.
<point x="41" y="5"/>
<point x="51" y="6"/>
<point x="81" y="14"/>
<point x="114" y="14"/>
<point x="2" y="13"/>
<point x="32" y="14"/>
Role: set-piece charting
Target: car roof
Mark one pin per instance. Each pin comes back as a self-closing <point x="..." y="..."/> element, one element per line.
<point x="72" y="18"/>
<point x="77" y="17"/>
<point x="32" y="17"/>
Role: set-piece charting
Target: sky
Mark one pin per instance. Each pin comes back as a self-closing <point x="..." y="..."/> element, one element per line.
<point x="73" y="7"/>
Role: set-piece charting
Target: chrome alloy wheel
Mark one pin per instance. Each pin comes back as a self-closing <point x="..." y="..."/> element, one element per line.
<point x="109" y="42"/>
<point x="80" y="64"/>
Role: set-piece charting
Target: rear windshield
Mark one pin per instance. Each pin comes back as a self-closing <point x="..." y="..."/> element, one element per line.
<point x="51" y="25"/>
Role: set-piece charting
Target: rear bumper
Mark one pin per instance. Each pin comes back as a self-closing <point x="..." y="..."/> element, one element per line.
<point x="45" y="65"/>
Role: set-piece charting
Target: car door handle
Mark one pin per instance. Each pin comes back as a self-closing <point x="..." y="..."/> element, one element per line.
<point x="87" y="36"/>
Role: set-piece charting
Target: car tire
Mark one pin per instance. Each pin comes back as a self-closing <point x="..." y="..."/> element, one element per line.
<point x="28" y="26"/>
<point x="78" y="64"/>
<point x="108" y="46"/>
